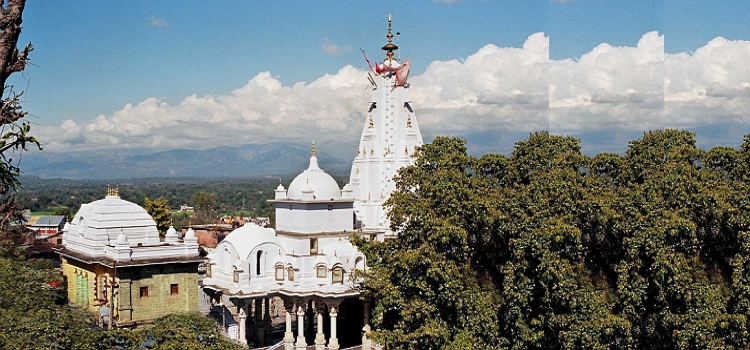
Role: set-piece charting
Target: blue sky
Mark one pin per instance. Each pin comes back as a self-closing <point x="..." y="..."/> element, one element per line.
<point x="156" y="75"/>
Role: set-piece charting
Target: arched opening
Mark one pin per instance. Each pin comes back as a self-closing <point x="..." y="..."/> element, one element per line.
<point x="359" y="263"/>
<point x="258" y="268"/>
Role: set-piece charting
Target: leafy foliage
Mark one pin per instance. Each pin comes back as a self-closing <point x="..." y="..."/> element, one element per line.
<point x="550" y="248"/>
<point x="159" y="210"/>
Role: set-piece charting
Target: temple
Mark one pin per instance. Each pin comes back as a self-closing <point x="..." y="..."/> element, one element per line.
<point x="116" y="265"/>
<point x="388" y="140"/>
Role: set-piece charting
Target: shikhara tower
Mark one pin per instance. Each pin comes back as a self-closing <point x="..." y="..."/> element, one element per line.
<point x="389" y="137"/>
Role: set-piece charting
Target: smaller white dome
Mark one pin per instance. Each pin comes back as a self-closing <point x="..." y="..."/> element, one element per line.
<point x="171" y="236"/>
<point x="190" y="235"/>
<point x="323" y="186"/>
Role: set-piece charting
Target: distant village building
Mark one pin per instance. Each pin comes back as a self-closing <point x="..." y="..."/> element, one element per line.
<point x="185" y="208"/>
<point x="46" y="226"/>
<point x="116" y="265"/>
<point x="308" y="260"/>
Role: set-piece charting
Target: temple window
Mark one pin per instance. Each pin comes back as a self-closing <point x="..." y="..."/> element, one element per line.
<point x="236" y="276"/>
<point x="321" y="271"/>
<point x="174" y="289"/>
<point x="258" y="268"/>
<point x="337" y="275"/>
<point x="144" y="292"/>
<point x="279" y="272"/>
<point x="208" y="270"/>
<point x="290" y="273"/>
<point x="313" y="246"/>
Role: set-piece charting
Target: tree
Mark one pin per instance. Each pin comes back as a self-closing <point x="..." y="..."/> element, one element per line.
<point x="15" y="131"/>
<point x="204" y="203"/>
<point x="159" y="210"/>
<point x="650" y="249"/>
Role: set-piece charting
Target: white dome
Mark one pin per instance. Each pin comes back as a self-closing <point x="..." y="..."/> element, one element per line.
<point x="103" y="220"/>
<point x="324" y="187"/>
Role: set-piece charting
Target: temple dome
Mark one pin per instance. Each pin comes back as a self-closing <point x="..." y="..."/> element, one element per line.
<point x="323" y="186"/>
<point x="106" y="218"/>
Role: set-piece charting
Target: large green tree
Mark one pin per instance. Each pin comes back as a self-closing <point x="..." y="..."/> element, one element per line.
<point x="550" y="248"/>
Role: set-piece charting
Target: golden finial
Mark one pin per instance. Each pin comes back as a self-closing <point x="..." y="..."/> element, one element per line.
<point x="117" y="190"/>
<point x="313" y="149"/>
<point x="109" y="190"/>
<point x="408" y="120"/>
<point x="371" y="124"/>
<point x="364" y="152"/>
<point x="279" y="181"/>
<point x="357" y="152"/>
<point x="390" y="46"/>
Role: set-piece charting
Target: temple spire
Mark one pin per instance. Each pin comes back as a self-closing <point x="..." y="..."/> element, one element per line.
<point x="313" y="149"/>
<point x="390" y="46"/>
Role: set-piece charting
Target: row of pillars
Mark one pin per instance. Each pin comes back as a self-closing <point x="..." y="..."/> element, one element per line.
<point x="262" y="325"/>
<point x="297" y="309"/>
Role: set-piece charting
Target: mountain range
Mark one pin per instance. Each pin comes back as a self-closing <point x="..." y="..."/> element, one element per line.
<point x="251" y="160"/>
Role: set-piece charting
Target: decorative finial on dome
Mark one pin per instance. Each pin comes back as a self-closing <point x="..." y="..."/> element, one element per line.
<point x="371" y="123"/>
<point x="117" y="191"/>
<point x="408" y="120"/>
<point x="313" y="149"/>
<point x="279" y="181"/>
<point x="390" y="46"/>
<point x="109" y="191"/>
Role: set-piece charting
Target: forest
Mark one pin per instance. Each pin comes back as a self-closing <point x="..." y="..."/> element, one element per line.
<point x="248" y="197"/>
<point x="549" y="248"/>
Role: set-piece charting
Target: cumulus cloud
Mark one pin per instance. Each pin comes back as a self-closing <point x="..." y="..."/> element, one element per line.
<point x="710" y="86"/>
<point x="158" y="22"/>
<point x="493" y="88"/>
<point x="609" y="87"/>
<point x="497" y="93"/>
<point x="332" y="49"/>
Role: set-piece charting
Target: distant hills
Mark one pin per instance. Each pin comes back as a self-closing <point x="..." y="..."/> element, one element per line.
<point x="273" y="159"/>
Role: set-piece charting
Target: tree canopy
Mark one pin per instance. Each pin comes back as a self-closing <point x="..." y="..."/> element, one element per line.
<point x="159" y="210"/>
<point x="550" y="248"/>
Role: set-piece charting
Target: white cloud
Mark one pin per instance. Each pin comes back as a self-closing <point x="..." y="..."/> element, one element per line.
<point x="332" y="49"/>
<point x="495" y="92"/>
<point x="493" y="88"/>
<point x="710" y="86"/>
<point x="609" y="87"/>
<point x="158" y="22"/>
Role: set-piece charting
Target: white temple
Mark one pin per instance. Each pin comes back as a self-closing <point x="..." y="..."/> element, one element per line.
<point x="388" y="140"/>
<point x="308" y="260"/>
<point x="113" y="229"/>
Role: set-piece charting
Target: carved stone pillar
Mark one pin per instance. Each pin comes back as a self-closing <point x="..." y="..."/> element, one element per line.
<point x="243" y="317"/>
<point x="289" y="336"/>
<point x="333" y="343"/>
<point x="301" y="344"/>
<point x="320" y="338"/>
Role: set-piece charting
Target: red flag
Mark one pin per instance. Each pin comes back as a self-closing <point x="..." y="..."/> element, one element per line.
<point x="402" y="72"/>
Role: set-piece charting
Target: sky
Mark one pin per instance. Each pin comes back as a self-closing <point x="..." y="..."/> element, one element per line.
<point x="117" y="76"/>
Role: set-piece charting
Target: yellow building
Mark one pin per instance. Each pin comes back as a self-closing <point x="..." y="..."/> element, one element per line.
<point x="113" y="259"/>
